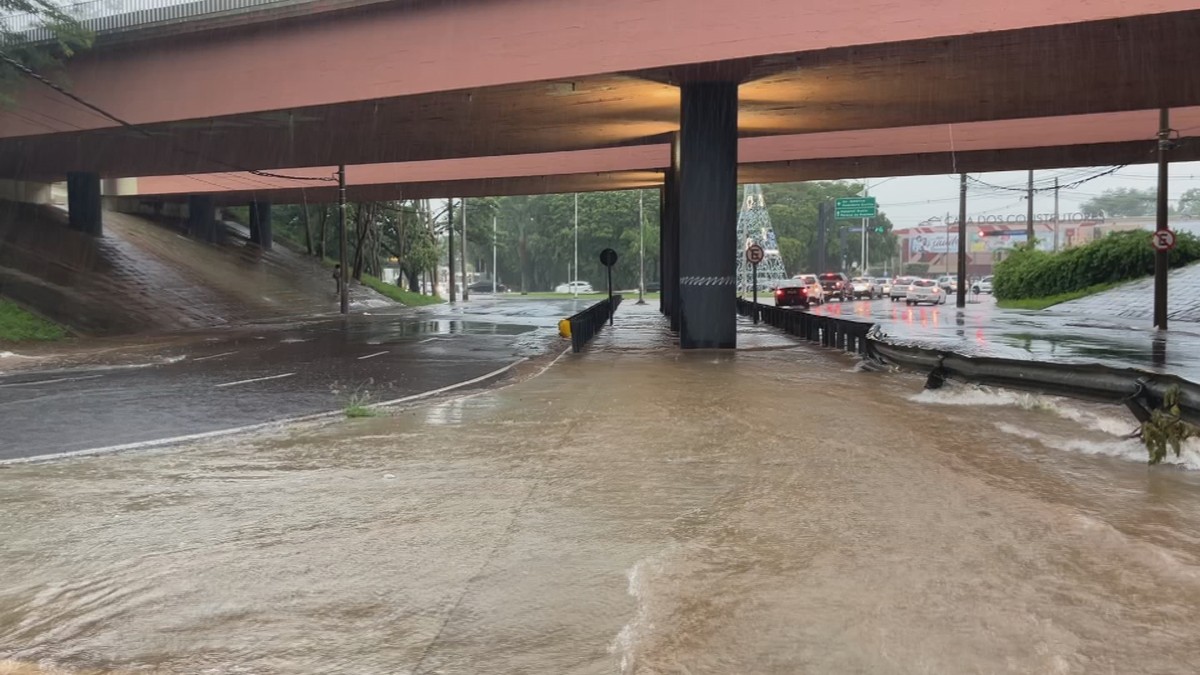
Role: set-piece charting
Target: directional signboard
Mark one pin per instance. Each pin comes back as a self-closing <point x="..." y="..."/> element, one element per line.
<point x="855" y="207"/>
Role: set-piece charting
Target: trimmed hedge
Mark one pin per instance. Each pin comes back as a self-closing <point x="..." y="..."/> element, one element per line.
<point x="1120" y="256"/>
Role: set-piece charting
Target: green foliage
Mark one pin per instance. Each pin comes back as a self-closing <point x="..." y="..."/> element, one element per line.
<point x="43" y="58"/>
<point x="916" y="269"/>
<point x="359" y="405"/>
<point x="1050" y="300"/>
<point x="18" y="325"/>
<point x="793" y="211"/>
<point x="399" y="294"/>
<point x="1189" y="202"/>
<point x="1165" y="430"/>
<point x="1029" y="273"/>
<point x="1122" y="202"/>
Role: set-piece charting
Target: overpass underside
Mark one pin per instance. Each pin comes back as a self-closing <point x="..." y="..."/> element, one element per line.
<point x="1074" y="93"/>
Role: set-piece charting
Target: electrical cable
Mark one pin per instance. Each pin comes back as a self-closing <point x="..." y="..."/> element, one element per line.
<point x="29" y="72"/>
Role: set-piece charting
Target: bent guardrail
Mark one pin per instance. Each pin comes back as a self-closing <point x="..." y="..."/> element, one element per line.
<point x="1139" y="390"/>
<point x="584" y="325"/>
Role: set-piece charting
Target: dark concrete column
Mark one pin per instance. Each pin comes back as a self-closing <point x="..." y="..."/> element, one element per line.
<point x="670" y="280"/>
<point x="260" y="224"/>
<point x="83" y="202"/>
<point x="662" y="247"/>
<point x="202" y="217"/>
<point x="708" y="215"/>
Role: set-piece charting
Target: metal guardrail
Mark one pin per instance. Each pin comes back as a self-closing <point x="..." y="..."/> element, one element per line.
<point x="105" y="16"/>
<point x="1141" y="391"/>
<point x="587" y="323"/>
<point x="830" y="331"/>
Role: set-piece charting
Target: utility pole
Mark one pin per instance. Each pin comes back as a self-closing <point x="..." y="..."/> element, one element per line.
<point x="463" y="247"/>
<point x="1056" y="214"/>
<point x="1162" y="258"/>
<point x="961" y="301"/>
<point x="450" y="245"/>
<point x="1029" y="212"/>
<point x="865" y="246"/>
<point x="343" y="291"/>
<point x="493" y="255"/>
<point x="641" y="252"/>
<point x="575" y="286"/>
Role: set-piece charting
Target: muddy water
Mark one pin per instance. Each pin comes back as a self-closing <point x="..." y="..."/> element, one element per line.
<point x="769" y="512"/>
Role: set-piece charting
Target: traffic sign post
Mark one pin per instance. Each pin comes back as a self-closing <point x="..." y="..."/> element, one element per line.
<point x="1163" y="240"/>
<point x="608" y="258"/>
<point x="755" y="255"/>
<point x="855" y="207"/>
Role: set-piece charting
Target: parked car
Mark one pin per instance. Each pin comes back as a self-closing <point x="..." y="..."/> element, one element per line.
<point x="864" y="287"/>
<point x="816" y="294"/>
<point x="486" y="287"/>
<point x="653" y="287"/>
<point x="925" y="290"/>
<point x="984" y="285"/>
<point x="837" y="286"/>
<point x="791" y="293"/>
<point x="900" y="288"/>
<point x="574" y="287"/>
<point x="885" y="286"/>
<point x="948" y="283"/>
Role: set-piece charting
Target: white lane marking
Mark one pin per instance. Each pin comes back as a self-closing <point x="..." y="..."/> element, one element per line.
<point x="371" y="356"/>
<point x="257" y="379"/>
<point x="55" y="381"/>
<point x="426" y="340"/>
<point x="144" y="445"/>
<point x="214" y="356"/>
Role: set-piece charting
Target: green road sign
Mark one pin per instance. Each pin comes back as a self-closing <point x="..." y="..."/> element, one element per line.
<point x="855" y="207"/>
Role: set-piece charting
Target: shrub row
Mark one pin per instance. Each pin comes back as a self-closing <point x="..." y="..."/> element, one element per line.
<point x="1028" y="273"/>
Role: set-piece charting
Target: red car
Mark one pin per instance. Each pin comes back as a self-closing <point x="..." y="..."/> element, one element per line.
<point x="791" y="293"/>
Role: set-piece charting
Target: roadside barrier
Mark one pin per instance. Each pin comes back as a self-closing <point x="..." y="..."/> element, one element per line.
<point x="1139" y="390"/>
<point x="583" y="326"/>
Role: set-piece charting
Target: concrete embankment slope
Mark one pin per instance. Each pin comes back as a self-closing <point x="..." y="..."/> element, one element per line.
<point x="144" y="276"/>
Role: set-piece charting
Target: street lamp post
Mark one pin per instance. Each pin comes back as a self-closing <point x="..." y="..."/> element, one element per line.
<point x="641" y="252"/>
<point x="575" y="287"/>
<point x="493" y="255"/>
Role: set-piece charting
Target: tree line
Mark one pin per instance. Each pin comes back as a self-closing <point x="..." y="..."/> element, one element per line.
<point x="535" y="234"/>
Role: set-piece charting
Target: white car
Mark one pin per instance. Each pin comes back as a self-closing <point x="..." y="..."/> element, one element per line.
<point x="984" y="285"/>
<point x="573" y="287"/>
<point x="864" y="287"/>
<point x="816" y="294"/>
<point x="885" y="286"/>
<point x="924" y="290"/>
<point x="899" y="288"/>
<point x="948" y="283"/>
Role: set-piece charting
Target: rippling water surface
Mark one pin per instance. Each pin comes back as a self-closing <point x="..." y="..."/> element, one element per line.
<point x="764" y="512"/>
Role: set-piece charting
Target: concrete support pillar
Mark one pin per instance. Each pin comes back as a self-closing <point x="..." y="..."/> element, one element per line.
<point x="260" y="224"/>
<point x="670" y="250"/>
<point x="708" y="216"/>
<point x="202" y="217"/>
<point x="83" y="202"/>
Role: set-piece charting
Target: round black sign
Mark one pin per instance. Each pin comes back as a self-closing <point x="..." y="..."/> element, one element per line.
<point x="608" y="257"/>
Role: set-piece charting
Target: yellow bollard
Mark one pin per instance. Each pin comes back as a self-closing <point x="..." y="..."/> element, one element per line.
<point x="564" y="328"/>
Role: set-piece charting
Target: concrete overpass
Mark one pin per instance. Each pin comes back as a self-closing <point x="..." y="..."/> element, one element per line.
<point x="424" y="81"/>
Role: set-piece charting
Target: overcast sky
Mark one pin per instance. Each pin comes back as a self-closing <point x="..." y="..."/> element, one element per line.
<point x="908" y="201"/>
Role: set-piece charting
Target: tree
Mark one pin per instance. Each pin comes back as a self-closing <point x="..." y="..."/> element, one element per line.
<point x="44" y="58"/>
<point x="1189" y="203"/>
<point x="1122" y="202"/>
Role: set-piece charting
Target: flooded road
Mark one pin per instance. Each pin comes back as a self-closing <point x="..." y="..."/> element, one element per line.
<point x="770" y="511"/>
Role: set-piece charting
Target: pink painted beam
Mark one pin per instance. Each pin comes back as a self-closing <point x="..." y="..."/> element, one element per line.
<point x="1007" y="134"/>
<point x="389" y="51"/>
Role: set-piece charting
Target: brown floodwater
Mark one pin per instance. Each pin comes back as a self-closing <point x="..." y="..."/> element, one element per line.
<point x="775" y="511"/>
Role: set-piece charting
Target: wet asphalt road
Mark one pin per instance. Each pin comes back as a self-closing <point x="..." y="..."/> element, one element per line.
<point x="236" y="377"/>
<point x="982" y="329"/>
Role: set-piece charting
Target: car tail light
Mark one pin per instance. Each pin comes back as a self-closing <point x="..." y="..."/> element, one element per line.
<point x="778" y="291"/>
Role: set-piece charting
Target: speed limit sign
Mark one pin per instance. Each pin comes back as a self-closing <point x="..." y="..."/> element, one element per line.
<point x="754" y="254"/>
<point x="1163" y="240"/>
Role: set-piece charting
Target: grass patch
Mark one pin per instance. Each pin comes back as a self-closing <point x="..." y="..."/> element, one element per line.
<point x="1050" y="300"/>
<point x="359" y="405"/>
<point x="399" y="294"/>
<point x="18" y="325"/>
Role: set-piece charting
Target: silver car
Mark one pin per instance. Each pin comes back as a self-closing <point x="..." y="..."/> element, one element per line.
<point x="924" y="290"/>
<point x="899" y="288"/>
